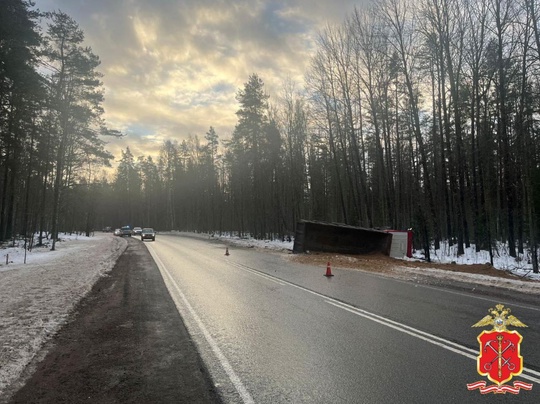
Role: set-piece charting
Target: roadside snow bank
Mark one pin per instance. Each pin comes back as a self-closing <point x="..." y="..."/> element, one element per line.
<point x="37" y="297"/>
<point x="521" y="265"/>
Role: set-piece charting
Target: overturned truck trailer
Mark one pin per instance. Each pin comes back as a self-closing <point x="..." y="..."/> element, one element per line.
<point x="340" y="238"/>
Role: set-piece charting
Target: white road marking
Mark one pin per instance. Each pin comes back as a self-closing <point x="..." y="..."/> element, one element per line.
<point x="235" y="380"/>
<point x="422" y="335"/>
<point x="432" y="339"/>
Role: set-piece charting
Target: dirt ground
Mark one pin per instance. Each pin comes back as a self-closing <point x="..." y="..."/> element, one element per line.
<point x="380" y="263"/>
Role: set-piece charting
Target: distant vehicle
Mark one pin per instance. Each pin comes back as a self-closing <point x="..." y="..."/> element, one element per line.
<point x="107" y="229"/>
<point x="117" y="232"/>
<point x="125" y="231"/>
<point x="137" y="231"/>
<point x="148" y="233"/>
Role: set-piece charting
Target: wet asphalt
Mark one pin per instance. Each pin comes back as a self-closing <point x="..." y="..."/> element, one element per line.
<point x="287" y="334"/>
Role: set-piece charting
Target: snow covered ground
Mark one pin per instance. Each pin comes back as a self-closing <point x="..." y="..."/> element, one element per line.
<point x="36" y="298"/>
<point x="521" y="265"/>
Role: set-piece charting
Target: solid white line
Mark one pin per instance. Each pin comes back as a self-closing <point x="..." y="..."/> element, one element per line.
<point x="406" y="331"/>
<point x="235" y="380"/>
<point x="432" y="339"/>
<point x="405" y="328"/>
<point x="400" y="326"/>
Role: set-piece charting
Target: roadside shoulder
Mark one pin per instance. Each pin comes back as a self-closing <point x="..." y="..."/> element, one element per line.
<point x="125" y="343"/>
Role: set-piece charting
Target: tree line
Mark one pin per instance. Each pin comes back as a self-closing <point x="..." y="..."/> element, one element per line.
<point x="414" y="114"/>
<point x="51" y="126"/>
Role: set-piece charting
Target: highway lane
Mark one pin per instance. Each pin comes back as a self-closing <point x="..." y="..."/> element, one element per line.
<point x="275" y="332"/>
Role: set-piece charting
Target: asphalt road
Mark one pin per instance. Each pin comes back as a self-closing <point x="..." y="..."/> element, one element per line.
<point x="271" y="331"/>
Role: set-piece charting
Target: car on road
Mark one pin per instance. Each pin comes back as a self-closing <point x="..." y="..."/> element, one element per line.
<point x="125" y="231"/>
<point x="117" y="232"/>
<point x="148" y="233"/>
<point x="137" y="231"/>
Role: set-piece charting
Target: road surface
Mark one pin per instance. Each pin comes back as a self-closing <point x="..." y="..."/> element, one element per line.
<point x="271" y="331"/>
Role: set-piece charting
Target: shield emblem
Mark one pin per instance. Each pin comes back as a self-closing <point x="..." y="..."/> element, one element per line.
<point x="500" y="358"/>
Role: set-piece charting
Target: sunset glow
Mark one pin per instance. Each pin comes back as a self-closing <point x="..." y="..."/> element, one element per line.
<point x="173" y="68"/>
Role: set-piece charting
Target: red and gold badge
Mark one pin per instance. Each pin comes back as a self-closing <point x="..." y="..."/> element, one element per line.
<point x="499" y="358"/>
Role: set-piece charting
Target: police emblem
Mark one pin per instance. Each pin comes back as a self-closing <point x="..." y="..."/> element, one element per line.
<point x="499" y="358"/>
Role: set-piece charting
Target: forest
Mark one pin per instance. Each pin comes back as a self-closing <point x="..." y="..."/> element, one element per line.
<point x="418" y="115"/>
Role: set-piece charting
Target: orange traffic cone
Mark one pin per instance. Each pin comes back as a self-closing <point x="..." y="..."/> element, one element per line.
<point x="227" y="251"/>
<point x="328" y="270"/>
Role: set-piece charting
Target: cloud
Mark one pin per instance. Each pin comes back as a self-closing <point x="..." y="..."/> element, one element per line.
<point x="173" y="68"/>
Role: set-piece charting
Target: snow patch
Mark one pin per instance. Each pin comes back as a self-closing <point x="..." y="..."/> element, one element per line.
<point x="520" y="265"/>
<point x="37" y="297"/>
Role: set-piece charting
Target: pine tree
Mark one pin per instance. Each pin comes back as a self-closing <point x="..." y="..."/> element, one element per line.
<point x="21" y="93"/>
<point x="76" y="100"/>
<point x="247" y="147"/>
<point x="127" y="185"/>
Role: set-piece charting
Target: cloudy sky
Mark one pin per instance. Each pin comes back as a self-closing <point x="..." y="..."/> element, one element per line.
<point x="173" y="67"/>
